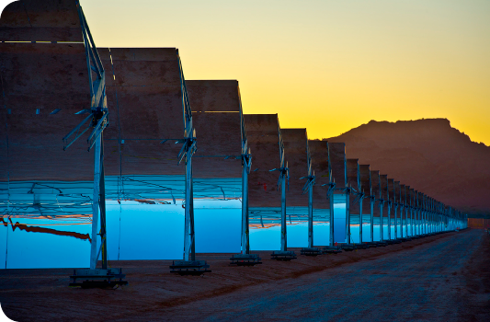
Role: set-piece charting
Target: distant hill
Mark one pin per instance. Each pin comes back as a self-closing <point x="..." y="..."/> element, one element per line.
<point x="429" y="156"/>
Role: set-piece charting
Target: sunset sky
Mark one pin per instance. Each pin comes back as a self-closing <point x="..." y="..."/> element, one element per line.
<point x="327" y="65"/>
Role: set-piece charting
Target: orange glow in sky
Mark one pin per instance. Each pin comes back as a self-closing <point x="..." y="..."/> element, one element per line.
<point x="326" y="65"/>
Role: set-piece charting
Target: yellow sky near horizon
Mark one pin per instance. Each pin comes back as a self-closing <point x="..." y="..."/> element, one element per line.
<point x="325" y="65"/>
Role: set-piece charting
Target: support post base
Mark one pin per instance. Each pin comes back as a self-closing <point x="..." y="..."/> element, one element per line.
<point x="311" y="251"/>
<point x="283" y="255"/>
<point x="189" y="267"/>
<point x="348" y="247"/>
<point x="362" y="246"/>
<point x="245" y="259"/>
<point x="97" y="278"/>
<point x="331" y="250"/>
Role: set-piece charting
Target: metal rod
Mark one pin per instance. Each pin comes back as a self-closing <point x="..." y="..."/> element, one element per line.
<point x="95" y="54"/>
<point x="77" y="128"/>
<point x="87" y="49"/>
<point x="98" y="128"/>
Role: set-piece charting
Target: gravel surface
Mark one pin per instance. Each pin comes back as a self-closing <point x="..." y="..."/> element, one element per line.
<point x="438" y="278"/>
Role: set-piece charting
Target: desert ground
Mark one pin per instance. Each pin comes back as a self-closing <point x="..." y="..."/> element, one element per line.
<point x="437" y="278"/>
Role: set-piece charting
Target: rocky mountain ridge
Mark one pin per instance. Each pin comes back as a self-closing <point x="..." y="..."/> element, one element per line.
<point x="429" y="156"/>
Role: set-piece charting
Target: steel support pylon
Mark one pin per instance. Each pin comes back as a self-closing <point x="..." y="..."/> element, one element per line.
<point x="360" y="219"/>
<point x="332" y="219"/>
<point x="95" y="204"/>
<point x="245" y="215"/>
<point x="381" y="224"/>
<point x="347" y="216"/>
<point x="371" y="219"/>
<point x="284" y="238"/>
<point x="189" y="240"/>
<point x="98" y="207"/>
<point x="310" y="217"/>
<point x="396" y="221"/>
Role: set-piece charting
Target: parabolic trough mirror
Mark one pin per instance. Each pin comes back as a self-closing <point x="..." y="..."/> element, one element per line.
<point x="44" y="191"/>
<point x="46" y="194"/>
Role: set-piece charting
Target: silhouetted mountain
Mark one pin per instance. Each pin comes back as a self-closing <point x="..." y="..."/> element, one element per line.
<point x="430" y="156"/>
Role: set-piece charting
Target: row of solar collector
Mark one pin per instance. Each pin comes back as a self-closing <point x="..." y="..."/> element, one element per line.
<point x="223" y="133"/>
<point x="141" y="117"/>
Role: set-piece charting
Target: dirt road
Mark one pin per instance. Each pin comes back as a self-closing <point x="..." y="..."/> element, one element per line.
<point x="439" y="278"/>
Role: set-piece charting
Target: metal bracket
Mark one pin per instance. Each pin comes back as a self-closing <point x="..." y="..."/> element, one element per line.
<point x="310" y="182"/>
<point x="331" y="188"/>
<point x="247" y="160"/>
<point x="98" y="101"/>
<point x="283" y="170"/>
<point x="189" y="144"/>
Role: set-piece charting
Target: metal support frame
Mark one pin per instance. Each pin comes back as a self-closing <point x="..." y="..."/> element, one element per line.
<point x="283" y="178"/>
<point x="245" y="258"/>
<point x="99" y="205"/>
<point x="246" y="164"/>
<point x="189" y="236"/>
<point x="283" y="254"/>
<point x="311" y="180"/>
<point x="308" y="187"/>
<point x="98" y="121"/>
<point x="187" y="151"/>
